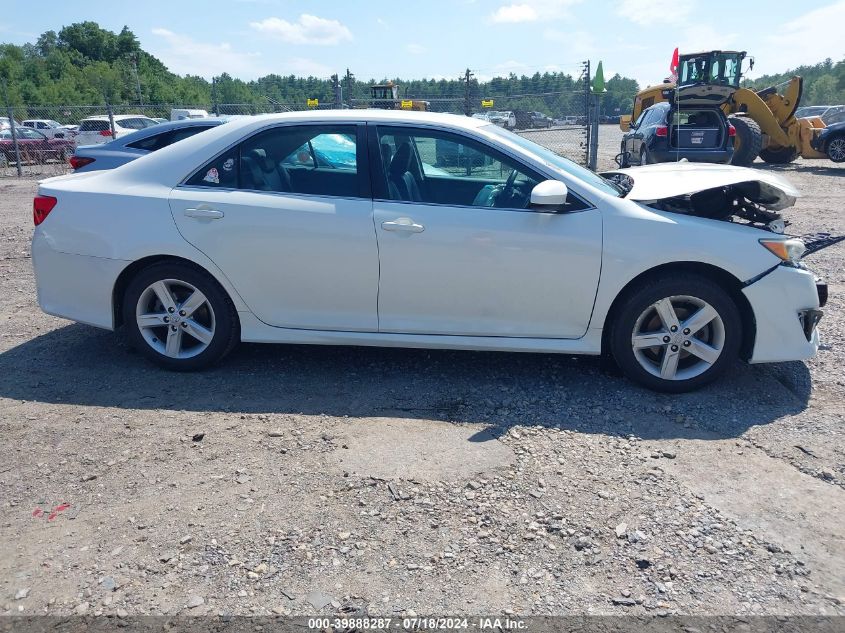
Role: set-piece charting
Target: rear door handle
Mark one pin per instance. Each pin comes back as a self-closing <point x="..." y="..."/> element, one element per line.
<point x="402" y="225"/>
<point x="208" y="214"/>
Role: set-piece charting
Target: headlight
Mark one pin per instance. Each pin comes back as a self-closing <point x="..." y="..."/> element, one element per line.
<point x="788" y="250"/>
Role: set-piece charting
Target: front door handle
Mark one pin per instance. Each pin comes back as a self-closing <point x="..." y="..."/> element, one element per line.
<point x="403" y="225"/>
<point x="208" y="214"/>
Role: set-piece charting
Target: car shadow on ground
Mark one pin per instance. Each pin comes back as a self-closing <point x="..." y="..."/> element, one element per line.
<point x="802" y="167"/>
<point x="80" y="365"/>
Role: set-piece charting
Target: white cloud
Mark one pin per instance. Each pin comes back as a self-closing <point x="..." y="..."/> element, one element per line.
<point x="532" y="11"/>
<point x="514" y="13"/>
<point x="186" y="56"/>
<point x="309" y="29"/>
<point x="416" y="49"/>
<point x="808" y="39"/>
<point x="655" y="12"/>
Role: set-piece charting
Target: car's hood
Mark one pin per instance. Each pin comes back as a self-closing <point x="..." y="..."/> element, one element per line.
<point x="670" y="180"/>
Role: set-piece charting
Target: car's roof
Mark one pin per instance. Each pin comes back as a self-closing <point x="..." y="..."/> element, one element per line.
<point x="116" y="117"/>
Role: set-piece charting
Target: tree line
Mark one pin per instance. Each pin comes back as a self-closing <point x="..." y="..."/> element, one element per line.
<point x="84" y="64"/>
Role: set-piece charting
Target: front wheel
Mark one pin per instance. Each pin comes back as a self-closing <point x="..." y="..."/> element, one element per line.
<point x="675" y="334"/>
<point x="779" y="155"/>
<point x="179" y="317"/>
<point x="836" y="149"/>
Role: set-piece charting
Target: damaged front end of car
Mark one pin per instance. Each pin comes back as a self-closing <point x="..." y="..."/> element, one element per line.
<point x="718" y="192"/>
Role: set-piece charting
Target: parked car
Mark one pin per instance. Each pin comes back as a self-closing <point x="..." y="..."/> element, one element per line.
<point x="70" y="130"/>
<point x="540" y="120"/>
<point x="48" y="127"/>
<point x="33" y="146"/>
<point x="505" y="119"/>
<point x="831" y="141"/>
<point x="236" y="235"/>
<point x="570" y="120"/>
<point x="179" y="114"/>
<point x="827" y="113"/>
<point x="666" y="133"/>
<point x="139" y="143"/>
<point x="97" y="129"/>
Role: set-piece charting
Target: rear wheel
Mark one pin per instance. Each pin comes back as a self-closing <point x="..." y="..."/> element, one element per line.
<point x="748" y="140"/>
<point x="179" y="317"/>
<point x="644" y="158"/>
<point x="836" y="149"/>
<point x="677" y="333"/>
<point x="779" y="155"/>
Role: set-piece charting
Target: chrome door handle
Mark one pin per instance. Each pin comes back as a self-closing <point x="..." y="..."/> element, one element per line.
<point x="403" y="225"/>
<point x="208" y="214"/>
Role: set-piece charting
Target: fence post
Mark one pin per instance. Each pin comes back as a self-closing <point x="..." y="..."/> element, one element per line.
<point x="111" y="119"/>
<point x="587" y="129"/>
<point x="594" y="132"/>
<point x="11" y="113"/>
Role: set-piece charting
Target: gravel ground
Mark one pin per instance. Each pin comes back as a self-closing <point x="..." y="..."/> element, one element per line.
<point x="322" y="480"/>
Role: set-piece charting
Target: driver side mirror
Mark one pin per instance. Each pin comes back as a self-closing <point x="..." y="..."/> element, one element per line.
<point x="549" y="196"/>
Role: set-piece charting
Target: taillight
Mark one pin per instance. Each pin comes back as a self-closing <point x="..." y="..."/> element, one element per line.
<point x="661" y="130"/>
<point x="731" y="130"/>
<point x="41" y="207"/>
<point x="80" y="161"/>
<point x="105" y="132"/>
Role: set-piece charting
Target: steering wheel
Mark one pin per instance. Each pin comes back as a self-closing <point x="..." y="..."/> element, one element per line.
<point x="506" y="192"/>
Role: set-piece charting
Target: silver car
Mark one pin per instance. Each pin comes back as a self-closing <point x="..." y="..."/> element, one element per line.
<point x="127" y="148"/>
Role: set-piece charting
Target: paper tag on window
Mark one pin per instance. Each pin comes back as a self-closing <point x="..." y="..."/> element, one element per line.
<point x="212" y="176"/>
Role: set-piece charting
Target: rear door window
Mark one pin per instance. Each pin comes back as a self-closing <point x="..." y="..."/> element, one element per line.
<point x="299" y="159"/>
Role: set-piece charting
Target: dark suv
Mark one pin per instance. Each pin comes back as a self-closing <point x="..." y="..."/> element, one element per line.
<point x="665" y="133"/>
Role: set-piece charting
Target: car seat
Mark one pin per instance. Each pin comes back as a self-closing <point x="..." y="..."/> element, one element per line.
<point x="262" y="174"/>
<point x="401" y="183"/>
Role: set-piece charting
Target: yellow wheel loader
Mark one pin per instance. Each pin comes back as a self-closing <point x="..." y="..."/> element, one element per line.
<point x="764" y="120"/>
<point x="386" y="96"/>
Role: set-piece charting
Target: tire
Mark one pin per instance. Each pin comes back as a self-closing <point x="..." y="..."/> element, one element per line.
<point x="644" y="159"/>
<point x="779" y="155"/>
<point x="63" y="155"/>
<point x="748" y="141"/>
<point x="208" y="331"/>
<point x="623" y="161"/>
<point x="835" y="149"/>
<point x="675" y="366"/>
<point x="4" y="161"/>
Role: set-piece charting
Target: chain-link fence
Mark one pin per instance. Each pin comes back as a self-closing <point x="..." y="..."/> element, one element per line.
<point x="39" y="140"/>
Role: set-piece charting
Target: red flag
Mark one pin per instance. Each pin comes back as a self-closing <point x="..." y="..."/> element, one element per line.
<point x="673" y="65"/>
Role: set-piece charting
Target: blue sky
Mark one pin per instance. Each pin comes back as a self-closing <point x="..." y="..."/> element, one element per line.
<point x="440" y="38"/>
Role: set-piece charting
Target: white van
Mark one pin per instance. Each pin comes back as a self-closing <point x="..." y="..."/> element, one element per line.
<point x="179" y="114"/>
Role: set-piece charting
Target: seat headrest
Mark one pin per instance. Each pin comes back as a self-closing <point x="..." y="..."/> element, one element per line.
<point x="260" y="157"/>
<point x="401" y="161"/>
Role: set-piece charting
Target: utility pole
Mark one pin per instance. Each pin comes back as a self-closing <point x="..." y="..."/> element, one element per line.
<point x="338" y="97"/>
<point x="134" y="58"/>
<point x="349" y="79"/>
<point x="467" y="104"/>
<point x="216" y="108"/>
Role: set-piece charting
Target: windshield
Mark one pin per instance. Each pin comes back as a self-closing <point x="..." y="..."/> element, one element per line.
<point x="555" y="161"/>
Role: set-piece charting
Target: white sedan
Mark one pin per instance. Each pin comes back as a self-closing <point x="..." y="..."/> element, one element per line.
<point x="411" y="229"/>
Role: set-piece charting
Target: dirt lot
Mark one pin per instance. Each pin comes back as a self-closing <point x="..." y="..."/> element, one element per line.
<point x="321" y="480"/>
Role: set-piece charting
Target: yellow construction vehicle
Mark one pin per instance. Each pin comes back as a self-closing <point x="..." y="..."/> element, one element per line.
<point x="764" y="120"/>
<point x="386" y="96"/>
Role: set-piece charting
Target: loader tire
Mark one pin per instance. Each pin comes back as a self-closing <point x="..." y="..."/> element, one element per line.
<point x="748" y="141"/>
<point x="779" y="155"/>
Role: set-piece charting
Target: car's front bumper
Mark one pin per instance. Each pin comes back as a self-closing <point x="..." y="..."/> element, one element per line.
<point x="786" y="306"/>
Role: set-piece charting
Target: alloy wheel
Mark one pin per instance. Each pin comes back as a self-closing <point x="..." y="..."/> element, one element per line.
<point x="678" y="337"/>
<point x="836" y="150"/>
<point x="175" y="318"/>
